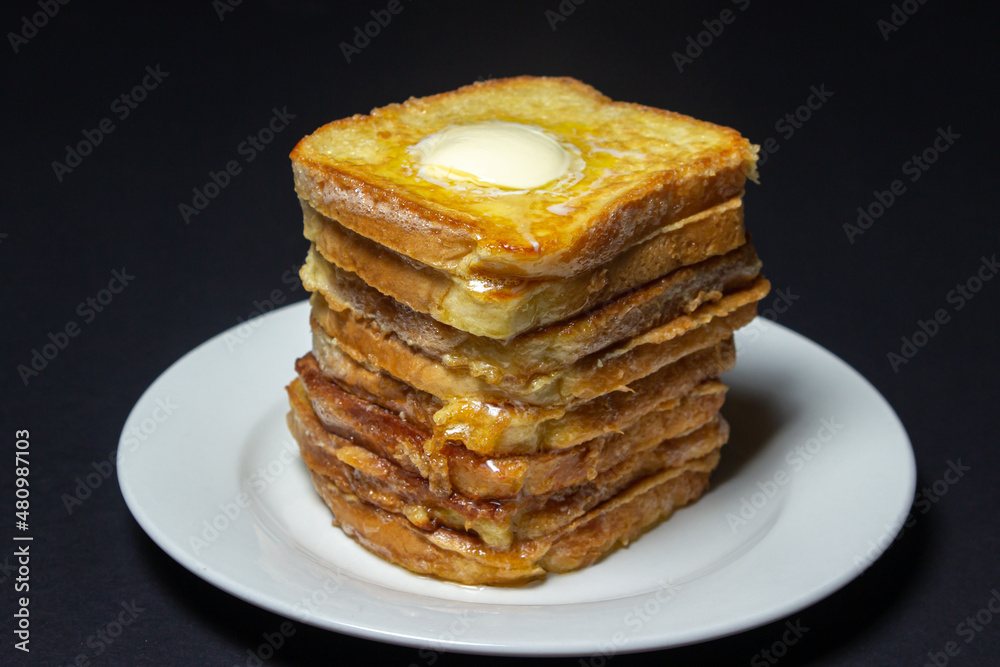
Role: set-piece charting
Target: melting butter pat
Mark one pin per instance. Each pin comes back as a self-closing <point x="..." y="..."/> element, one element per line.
<point x="497" y="153"/>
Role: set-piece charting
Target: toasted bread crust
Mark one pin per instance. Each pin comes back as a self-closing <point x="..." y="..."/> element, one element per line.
<point x="353" y="170"/>
<point x="361" y="422"/>
<point x="497" y="523"/>
<point x="605" y="371"/>
<point x="459" y="557"/>
<point x="497" y="429"/>
<point x="545" y="349"/>
<point x="503" y="309"/>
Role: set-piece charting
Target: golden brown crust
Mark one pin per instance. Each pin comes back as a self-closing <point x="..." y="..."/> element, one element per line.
<point x="546" y="349"/>
<point x="458" y="557"/>
<point x="497" y="523"/>
<point x="398" y="541"/>
<point x="355" y="171"/>
<point x="621" y="525"/>
<point x="388" y="435"/>
<point x="494" y="429"/>
<point x="501" y="309"/>
<point x="606" y="371"/>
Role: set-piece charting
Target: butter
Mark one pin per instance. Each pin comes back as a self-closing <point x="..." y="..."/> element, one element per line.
<point x="492" y="153"/>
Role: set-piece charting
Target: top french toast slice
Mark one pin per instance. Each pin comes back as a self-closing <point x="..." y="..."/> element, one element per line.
<point x="636" y="170"/>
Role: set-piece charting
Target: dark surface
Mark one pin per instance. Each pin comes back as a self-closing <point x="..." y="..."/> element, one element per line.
<point x="119" y="208"/>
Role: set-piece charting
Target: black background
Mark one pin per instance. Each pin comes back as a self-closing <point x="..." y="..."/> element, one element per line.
<point x="119" y="208"/>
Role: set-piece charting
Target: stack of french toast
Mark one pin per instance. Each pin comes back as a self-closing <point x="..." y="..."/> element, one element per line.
<point x="523" y="296"/>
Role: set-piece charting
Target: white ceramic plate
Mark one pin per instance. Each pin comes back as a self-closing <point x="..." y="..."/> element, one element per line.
<point x="817" y="478"/>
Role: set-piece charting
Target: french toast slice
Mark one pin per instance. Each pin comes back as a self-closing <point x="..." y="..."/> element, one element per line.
<point x="458" y="556"/>
<point x="545" y="349"/>
<point x="607" y="370"/>
<point x="383" y="483"/>
<point x="503" y="308"/>
<point x="636" y="170"/>
<point x="504" y="428"/>
<point x="353" y="419"/>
